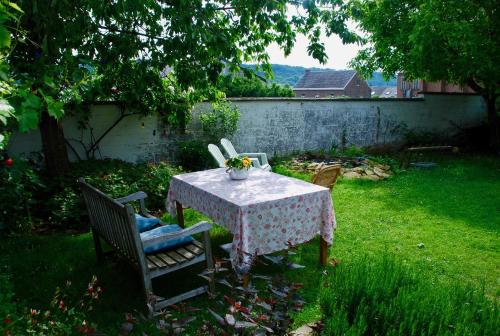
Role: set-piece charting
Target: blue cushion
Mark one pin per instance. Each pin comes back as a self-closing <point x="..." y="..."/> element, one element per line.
<point x="165" y="244"/>
<point x="145" y="223"/>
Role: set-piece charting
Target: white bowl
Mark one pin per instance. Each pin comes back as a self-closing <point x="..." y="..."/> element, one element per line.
<point x="238" y="174"/>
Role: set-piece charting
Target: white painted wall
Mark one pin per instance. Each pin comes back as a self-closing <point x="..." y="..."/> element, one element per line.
<point x="131" y="140"/>
<point x="276" y="126"/>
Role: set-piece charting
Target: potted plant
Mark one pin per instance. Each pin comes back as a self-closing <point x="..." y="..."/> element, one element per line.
<point x="238" y="167"/>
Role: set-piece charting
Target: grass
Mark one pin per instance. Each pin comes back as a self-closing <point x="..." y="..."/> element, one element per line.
<point x="452" y="209"/>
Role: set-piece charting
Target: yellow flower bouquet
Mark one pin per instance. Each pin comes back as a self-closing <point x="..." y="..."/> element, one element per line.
<point x="238" y="167"/>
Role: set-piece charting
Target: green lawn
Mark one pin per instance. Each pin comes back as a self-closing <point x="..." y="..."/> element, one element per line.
<point x="452" y="209"/>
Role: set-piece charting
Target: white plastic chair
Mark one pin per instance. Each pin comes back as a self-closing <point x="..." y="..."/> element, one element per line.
<point x="217" y="155"/>
<point x="259" y="160"/>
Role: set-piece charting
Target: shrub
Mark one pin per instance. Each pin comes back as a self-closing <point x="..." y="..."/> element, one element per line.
<point x="239" y="86"/>
<point x="113" y="177"/>
<point x="353" y="151"/>
<point x="7" y="305"/>
<point x="18" y="189"/>
<point x="384" y="297"/>
<point x="194" y="155"/>
<point x="27" y="197"/>
<point x="221" y="122"/>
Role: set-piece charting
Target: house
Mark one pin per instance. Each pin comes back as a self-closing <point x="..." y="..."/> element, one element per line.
<point x="332" y="83"/>
<point x="417" y="87"/>
<point x="384" y="91"/>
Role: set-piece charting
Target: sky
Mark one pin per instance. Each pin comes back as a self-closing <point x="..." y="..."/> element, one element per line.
<point x="339" y="54"/>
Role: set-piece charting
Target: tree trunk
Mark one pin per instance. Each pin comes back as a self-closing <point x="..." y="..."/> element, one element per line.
<point x="493" y="123"/>
<point x="54" y="146"/>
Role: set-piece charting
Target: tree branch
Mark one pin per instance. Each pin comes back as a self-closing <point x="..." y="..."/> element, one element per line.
<point x="131" y="32"/>
<point x="122" y="116"/>
<point x="476" y="87"/>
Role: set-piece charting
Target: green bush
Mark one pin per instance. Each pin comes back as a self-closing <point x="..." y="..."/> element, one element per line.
<point x="239" y="86"/>
<point x="353" y="151"/>
<point x="113" y="177"/>
<point x="194" y="155"/>
<point x="221" y="122"/>
<point x="27" y="197"/>
<point x="7" y="305"/>
<point x="384" y="297"/>
<point x="18" y="190"/>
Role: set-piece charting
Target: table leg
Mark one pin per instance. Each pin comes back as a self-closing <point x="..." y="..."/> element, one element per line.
<point x="180" y="214"/>
<point x="323" y="251"/>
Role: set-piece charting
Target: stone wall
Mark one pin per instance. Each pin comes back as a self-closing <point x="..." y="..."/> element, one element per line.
<point x="277" y="126"/>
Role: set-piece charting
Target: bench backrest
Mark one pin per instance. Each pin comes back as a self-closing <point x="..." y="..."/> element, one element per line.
<point x="113" y="221"/>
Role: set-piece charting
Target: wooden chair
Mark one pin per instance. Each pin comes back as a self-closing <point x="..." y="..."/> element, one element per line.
<point x="326" y="176"/>
<point x="113" y="220"/>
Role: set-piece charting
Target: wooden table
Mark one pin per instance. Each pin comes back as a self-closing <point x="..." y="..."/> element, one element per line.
<point x="265" y="213"/>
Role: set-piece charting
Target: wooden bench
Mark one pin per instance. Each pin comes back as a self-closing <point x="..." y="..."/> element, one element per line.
<point x="113" y="220"/>
<point x="407" y="153"/>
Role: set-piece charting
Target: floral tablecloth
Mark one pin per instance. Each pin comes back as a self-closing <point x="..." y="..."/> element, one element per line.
<point x="264" y="213"/>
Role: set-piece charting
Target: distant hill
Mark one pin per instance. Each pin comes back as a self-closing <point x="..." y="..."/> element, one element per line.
<point x="289" y="75"/>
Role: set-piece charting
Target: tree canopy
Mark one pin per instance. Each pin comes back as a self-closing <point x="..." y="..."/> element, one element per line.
<point x="240" y="86"/>
<point x="71" y="53"/>
<point x="450" y="40"/>
<point x="9" y="18"/>
<point x="78" y="51"/>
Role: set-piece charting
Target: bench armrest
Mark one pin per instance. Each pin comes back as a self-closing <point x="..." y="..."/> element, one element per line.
<point x="261" y="156"/>
<point x="137" y="196"/>
<point x="140" y="195"/>
<point x="197" y="228"/>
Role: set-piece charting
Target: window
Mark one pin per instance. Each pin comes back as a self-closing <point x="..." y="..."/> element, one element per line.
<point x="416" y="84"/>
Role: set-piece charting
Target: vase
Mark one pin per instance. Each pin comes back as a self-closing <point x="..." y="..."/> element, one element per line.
<point x="238" y="174"/>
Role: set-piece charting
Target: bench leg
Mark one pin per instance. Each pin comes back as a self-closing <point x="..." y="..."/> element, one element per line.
<point x="210" y="261"/>
<point x="97" y="245"/>
<point x="148" y="293"/>
<point x="405" y="160"/>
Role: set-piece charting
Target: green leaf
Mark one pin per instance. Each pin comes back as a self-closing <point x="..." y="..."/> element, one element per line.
<point x="4" y="37"/>
<point x="54" y="108"/>
<point x="29" y="112"/>
<point x="49" y="81"/>
<point x="15" y="6"/>
<point x="6" y="111"/>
